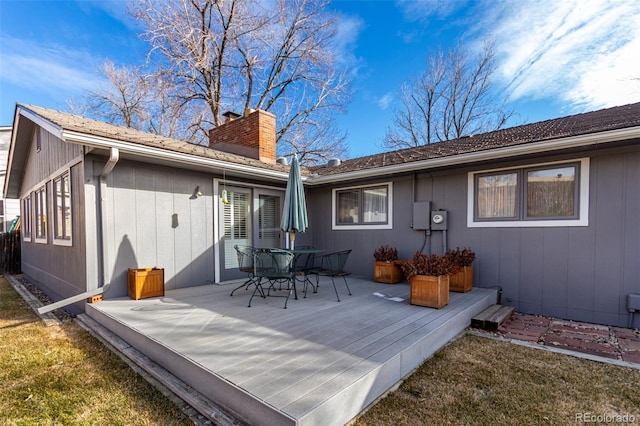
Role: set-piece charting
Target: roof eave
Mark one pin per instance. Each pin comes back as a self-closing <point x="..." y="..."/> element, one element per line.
<point x="167" y="155"/>
<point x="478" y="156"/>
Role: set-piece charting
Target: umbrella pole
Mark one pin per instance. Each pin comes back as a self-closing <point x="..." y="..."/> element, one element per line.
<point x="292" y="236"/>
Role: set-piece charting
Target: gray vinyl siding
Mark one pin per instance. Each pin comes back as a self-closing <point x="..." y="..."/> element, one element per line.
<point x="581" y="273"/>
<point x="152" y="220"/>
<point x="53" y="155"/>
<point x="60" y="271"/>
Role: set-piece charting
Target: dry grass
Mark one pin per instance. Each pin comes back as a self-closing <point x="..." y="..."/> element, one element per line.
<point x="478" y="381"/>
<point x="62" y="375"/>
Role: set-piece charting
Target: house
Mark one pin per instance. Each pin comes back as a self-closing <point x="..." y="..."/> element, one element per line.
<point x="9" y="209"/>
<point x="550" y="208"/>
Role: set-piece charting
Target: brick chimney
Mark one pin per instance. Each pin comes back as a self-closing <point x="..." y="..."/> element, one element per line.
<point x="252" y="135"/>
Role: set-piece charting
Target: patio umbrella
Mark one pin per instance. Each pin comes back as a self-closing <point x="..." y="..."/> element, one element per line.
<point x="294" y="215"/>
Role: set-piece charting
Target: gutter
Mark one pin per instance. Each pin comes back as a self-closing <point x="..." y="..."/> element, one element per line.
<point x="491" y="154"/>
<point x="172" y="156"/>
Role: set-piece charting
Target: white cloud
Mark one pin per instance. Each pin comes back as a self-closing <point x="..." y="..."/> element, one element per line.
<point x="51" y="69"/>
<point x="584" y="53"/>
<point x="425" y="9"/>
<point x="118" y="10"/>
<point x="385" y="100"/>
<point x="349" y="29"/>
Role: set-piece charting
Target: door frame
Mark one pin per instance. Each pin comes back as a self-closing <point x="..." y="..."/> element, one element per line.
<point x="218" y="223"/>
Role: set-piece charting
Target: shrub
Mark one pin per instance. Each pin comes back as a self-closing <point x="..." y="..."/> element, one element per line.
<point x="461" y="258"/>
<point x="385" y="253"/>
<point x="423" y="264"/>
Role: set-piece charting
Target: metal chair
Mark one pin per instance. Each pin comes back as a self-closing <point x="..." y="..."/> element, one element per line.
<point x="273" y="265"/>
<point x="332" y="265"/>
<point x="245" y="264"/>
<point x="305" y="264"/>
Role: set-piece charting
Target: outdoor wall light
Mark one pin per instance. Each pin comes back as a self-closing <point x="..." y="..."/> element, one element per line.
<point x="196" y="193"/>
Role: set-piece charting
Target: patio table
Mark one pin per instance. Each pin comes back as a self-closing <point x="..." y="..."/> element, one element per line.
<point x="298" y="267"/>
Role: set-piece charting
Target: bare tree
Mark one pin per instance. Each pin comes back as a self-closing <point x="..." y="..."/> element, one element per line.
<point x="139" y="100"/>
<point x="450" y="99"/>
<point x="122" y="100"/>
<point x="207" y="57"/>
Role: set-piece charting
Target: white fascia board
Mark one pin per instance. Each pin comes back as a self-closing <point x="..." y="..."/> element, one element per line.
<point x="490" y="154"/>
<point x="50" y="127"/>
<point x="177" y="157"/>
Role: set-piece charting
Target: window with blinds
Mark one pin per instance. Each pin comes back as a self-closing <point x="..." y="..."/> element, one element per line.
<point x="269" y="220"/>
<point x="237" y="225"/>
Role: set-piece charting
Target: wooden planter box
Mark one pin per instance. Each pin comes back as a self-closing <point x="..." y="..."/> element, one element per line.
<point x="387" y="272"/>
<point x="429" y="291"/>
<point x="147" y="282"/>
<point x="462" y="281"/>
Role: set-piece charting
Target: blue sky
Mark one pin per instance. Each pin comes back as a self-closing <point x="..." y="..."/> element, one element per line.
<point x="554" y="58"/>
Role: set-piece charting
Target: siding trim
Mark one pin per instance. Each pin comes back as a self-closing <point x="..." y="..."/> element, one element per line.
<point x="583" y="196"/>
<point x="53" y="175"/>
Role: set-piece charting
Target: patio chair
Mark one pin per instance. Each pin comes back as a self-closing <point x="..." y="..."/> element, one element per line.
<point x="273" y="265"/>
<point x="305" y="263"/>
<point x="245" y="264"/>
<point x="332" y="266"/>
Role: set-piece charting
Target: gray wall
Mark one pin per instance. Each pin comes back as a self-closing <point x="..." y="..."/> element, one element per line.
<point x="581" y="273"/>
<point x="58" y="270"/>
<point x="153" y="220"/>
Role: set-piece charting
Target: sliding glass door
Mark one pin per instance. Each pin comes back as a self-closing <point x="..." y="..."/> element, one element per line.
<point x="250" y="218"/>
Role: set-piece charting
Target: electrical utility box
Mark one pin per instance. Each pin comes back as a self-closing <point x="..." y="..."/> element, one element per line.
<point x="439" y="220"/>
<point x="421" y="218"/>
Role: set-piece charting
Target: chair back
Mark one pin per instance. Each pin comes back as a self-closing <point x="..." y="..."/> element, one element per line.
<point x="245" y="258"/>
<point x="305" y="261"/>
<point x="335" y="262"/>
<point x="272" y="263"/>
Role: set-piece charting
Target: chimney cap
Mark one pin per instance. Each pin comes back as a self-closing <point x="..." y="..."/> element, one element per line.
<point x="231" y="115"/>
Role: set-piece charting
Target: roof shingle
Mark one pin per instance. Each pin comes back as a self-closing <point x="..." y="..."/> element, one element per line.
<point x="88" y="126"/>
<point x="574" y="125"/>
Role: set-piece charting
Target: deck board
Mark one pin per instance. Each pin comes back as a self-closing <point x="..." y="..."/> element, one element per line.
<point x="317" y="362"/>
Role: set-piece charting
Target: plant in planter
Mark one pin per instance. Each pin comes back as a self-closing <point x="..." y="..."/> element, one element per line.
<point x="462" y="280"/>
<point x="386" y="268"/>
<point x="429" y="279"/>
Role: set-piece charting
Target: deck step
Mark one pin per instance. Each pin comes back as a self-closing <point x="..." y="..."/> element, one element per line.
<point x="492" y="317"/>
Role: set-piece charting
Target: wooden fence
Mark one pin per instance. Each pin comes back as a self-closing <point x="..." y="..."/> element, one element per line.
<point x="10" y="253"/>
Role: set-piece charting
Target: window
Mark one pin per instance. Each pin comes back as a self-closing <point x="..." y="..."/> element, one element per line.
<point x="366" y="207"/>
<point x="2" y="217"/>
<point x="551" y="194"/>
<point x="38" y="140"/>
<point x="41" y="214"/>
<point x="26" y="218"/>
<point x="62" y="208"/>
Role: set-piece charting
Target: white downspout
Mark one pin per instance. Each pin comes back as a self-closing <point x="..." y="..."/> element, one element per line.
<point x="114" y="156"/>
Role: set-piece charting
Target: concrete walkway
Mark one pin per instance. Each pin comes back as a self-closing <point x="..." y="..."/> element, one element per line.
<point x="622" y="344"/>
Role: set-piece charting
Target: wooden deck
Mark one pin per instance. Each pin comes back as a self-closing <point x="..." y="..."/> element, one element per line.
<point x="318" y="362"/>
